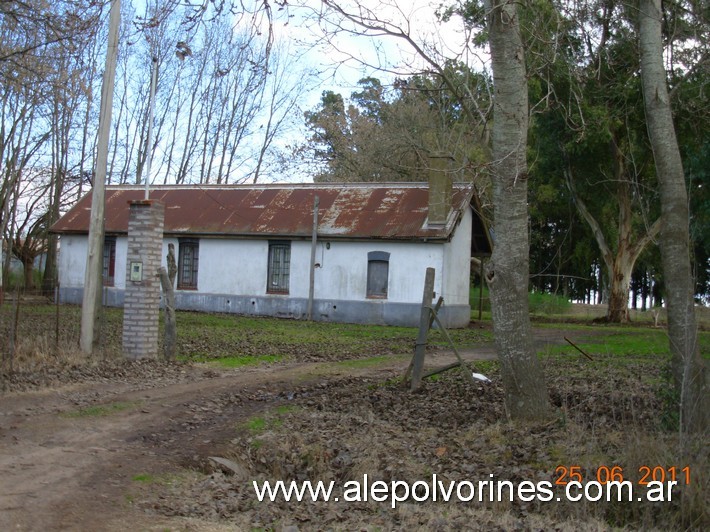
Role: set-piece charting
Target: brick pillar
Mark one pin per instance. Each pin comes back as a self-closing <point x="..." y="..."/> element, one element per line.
<point x="142" y="300"/>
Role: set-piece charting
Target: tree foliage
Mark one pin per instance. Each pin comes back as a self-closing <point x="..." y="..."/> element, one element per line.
<point x="388" y="133"/>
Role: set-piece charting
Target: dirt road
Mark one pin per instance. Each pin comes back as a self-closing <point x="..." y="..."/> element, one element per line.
<point x="71" y="457"/>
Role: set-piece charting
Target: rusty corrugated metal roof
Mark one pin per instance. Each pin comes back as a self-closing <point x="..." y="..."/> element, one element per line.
<point x="371" y="210"/>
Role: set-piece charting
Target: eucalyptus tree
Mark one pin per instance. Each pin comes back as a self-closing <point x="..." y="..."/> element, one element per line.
<point x="354" y="140"/>
<point x="689" y="370"/>
<point x="386" y="133"/>
<point x="507" y="275"/>
<point x="588" y="131"/>
<point x="508" y="270"/>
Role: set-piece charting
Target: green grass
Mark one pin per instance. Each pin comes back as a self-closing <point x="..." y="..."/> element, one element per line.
<point x="255" y="425"/>
<point x="241" y="361"/>
<point x="539" y="303"/>
<point x="365" y="362"/>
<point x="101" y="410"/>
<point x="623" y="342"/>
<point x="270" y="420"/>
<point x="547" y="304"/>
<point x="234" y="341"/>
<point x="483" y="366"/>
<point x="220" y="336"/>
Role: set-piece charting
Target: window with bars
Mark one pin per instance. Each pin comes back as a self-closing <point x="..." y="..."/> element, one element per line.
<point x="279" y="267"/>
<point x="378" y="267"/>
<point x="109" y="261"/>
<point x="188" y="263"/>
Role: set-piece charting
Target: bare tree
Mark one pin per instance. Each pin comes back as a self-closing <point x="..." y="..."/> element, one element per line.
<point x="20" y="142"/>
<point x="284" y="90"/>
<point x="28" y="223"/>
<point x="211" y="96"/>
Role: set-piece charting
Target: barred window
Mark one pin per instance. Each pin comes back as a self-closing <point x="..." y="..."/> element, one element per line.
<point x="188" y="263"/>
<point x="109" y="261"/>
<point x="279" y="267"/>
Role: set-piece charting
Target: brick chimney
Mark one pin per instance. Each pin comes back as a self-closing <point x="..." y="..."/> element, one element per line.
<point x="440" y="189"/>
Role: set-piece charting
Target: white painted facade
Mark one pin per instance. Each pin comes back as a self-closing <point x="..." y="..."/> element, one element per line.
<point x="232" y="277"/>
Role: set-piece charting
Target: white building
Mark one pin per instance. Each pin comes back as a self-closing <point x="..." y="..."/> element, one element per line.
<point x="247" y="249"/>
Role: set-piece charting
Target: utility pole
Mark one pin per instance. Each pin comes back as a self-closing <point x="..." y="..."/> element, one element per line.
<point x="314" y="239"/>
<point x="151" y="112"/>
<point x="94" y="257"/>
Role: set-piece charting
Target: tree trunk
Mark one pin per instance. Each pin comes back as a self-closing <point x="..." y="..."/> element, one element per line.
<point x="689" y="371"/>
<point x="620" y="263"/>
<point x="621" y="271"/>
<point x="49" y="280"/>
<point x="508" y="270"/>
<point x="28" y="269"/>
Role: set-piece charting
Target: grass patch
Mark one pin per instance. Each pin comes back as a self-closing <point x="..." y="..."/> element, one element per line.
<point x="540" y="303"/>
<point x="624" y="342"/>
<point x="240" y="361"/>
<point x="255" y="425"/>
<point x="204" y="336"/>
<point x="271" y="420"/>
<point x="230" y="340"/>
<point x="143" y="478"/>
<point x="483" y="366"/>
<point x="366" y="362"/>
<point x="548" y="304"/>
<point x="101" y="410"/>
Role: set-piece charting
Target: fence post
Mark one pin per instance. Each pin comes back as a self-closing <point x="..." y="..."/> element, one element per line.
<point x="420" y="348"/>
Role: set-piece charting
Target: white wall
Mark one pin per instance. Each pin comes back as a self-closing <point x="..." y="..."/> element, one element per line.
<point x="119" y="279"/>
<point x="457" y="263"/>
<point x="231" y="266"/>
<point x="343" y="271"/>
<point x="71" y="261"/>
<point x="239" y="267"/>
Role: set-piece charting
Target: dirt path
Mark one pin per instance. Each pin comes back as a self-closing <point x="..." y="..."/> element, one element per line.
<point x="70" y="456"/>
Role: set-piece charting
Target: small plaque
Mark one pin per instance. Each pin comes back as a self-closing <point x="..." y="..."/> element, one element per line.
<point x="136" y="271"/>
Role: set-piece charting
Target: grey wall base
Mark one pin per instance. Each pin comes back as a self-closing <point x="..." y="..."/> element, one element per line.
<point x="375" y="312"/>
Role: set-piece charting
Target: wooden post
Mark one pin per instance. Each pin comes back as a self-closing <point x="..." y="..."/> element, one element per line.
<point x="56" y="320"/>
<point x="480" y="294"/>
<point x="170" y="328"/>
<point x="467" y="373"/>
<point x="420" y="348"/>
<point x="94" y="259"/>
<point x="408" y="373"/>
<point x="314" y="241"/>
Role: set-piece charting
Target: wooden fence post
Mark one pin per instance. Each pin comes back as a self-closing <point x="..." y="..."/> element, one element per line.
<point x="420" y="348"/>
<point x="170" y="327"/>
